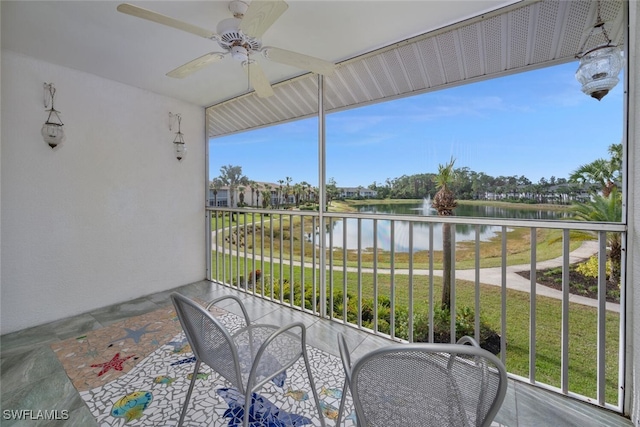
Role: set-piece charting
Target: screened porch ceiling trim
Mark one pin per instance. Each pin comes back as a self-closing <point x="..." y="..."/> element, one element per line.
<point x="520" y="37"/>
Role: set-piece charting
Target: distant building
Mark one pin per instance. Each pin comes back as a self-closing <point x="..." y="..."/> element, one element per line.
<point x="356" y="192"/>
<point x="253" y="197"/>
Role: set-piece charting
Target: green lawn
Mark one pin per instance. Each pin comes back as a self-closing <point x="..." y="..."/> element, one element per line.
<point x="582" y="320"/>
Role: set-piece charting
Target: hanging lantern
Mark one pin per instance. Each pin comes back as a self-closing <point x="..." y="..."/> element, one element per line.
<point x="53" y="129"/>
<point x="178" y="141"/>
<point x="599" y="66"/>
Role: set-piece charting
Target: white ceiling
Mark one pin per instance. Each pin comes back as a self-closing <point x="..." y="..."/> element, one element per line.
<point x="513" y="39"/>
<point x="91" y="36"/>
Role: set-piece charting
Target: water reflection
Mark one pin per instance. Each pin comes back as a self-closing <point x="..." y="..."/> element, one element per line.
<point x="421" y="231"/>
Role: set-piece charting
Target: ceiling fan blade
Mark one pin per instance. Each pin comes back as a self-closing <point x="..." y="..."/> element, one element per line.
<point x="149" y="15"/>
<point x="317" y="65"/>
<point x="193" y="66"/>
<point x="258" y="79"/>
<point x="261" y="15"/>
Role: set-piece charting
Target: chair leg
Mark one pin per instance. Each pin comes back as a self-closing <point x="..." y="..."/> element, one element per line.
<point x="247" y="407"/>
<point x="313" y="386"/>
<point x="186" y="402"/>
<point x="342" y="402"/>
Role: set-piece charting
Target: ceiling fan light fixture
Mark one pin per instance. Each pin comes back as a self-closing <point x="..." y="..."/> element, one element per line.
<point x="239" y="53"/>
<point x="238" y="8"/>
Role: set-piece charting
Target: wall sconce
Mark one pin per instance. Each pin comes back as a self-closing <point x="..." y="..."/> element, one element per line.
<point x="52" y="130"/>
<point x="178" y="141"/>
<point x="600" y="65"/>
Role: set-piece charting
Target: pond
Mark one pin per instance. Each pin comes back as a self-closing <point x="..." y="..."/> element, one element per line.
<point x="421" y="231"/>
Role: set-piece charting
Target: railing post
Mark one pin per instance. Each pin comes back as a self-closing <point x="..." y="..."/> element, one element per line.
<point x="322" y="196"/>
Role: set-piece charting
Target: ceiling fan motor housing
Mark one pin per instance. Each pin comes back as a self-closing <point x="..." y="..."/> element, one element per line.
<point x="231" y="36"/>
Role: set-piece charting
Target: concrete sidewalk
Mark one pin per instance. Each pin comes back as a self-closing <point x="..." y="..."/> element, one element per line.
<point x="493" y="276"/>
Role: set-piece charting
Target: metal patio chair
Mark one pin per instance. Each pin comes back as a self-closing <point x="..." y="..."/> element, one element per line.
<point x="248" y="358"/>
<point x="424" y="385"/>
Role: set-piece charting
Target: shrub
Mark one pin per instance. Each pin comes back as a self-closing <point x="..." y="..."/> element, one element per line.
<point x="589" y="268"/>
<point x="465" y="316"/>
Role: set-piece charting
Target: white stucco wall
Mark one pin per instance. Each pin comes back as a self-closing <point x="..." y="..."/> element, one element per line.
<point x="633" y="344"/>
<point x="108" y="216"/>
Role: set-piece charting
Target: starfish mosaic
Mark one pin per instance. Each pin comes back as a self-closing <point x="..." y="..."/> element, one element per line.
<point x="115" y="363"/>
<point x="135" y="334"/>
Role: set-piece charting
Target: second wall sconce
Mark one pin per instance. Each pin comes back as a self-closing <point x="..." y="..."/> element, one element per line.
<point x="178" y="141"/>
<point x="53" y="129"/>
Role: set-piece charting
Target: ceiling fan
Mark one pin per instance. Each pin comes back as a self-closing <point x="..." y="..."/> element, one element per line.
<point x="239" y="37"/>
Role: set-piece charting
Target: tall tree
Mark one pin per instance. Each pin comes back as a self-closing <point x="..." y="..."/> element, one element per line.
<point x="332" y="190"/>
<point x="605" y="173"/>
<point x="444" y="202"/>
<point x="216" y="185"/>
<point x="253" y="185"/>
<point x="231" y="176"/>
<point x="280" y="194"/>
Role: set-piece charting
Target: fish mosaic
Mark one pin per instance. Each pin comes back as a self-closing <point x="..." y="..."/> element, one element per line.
<point x="298" y="395"/>
<point x="200" y="376"/>
<point x="131" y="406"/>
<point x="163" y="379"/>
<point x="331" y="392"/>
<point x="328" y="410"/>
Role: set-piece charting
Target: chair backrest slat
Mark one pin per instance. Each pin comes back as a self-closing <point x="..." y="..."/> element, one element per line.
<point x="209" y="339"/>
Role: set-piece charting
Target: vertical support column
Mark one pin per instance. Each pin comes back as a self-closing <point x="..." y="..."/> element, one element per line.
<point x="207" y="214"/>
<point x="629" y="358"/>
<point x="533" y="299"/>
<point x="322" y="196"/>
<point x="208" y="245"/>
<point x="564" y="363"/>
<point x="602" y="317"/>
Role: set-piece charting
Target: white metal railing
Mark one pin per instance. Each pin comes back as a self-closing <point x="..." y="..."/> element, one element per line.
<point x="381" y="277"/>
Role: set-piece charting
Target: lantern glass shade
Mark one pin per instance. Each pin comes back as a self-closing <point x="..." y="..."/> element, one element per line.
<point x="181" y="150"/>
<point x="599" y="69"/>
<point x="53" y="134"/>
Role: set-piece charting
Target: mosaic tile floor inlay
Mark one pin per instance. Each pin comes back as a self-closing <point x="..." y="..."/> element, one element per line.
<point x="137" y="372"/>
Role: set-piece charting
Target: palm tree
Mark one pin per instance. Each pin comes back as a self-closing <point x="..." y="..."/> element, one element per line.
<point x="288" y="190"/>
<point x="241" y="194"/>
<point x="444" y="202"/>
<point x="605" y="209"/>
<point x="280" y="192"/>
<point x="232" y="176"/>
<point x="252" y="184"/>
<point x="297" y="191"/>
<point x="216" y="185"/>
<point x="603" y="172"/>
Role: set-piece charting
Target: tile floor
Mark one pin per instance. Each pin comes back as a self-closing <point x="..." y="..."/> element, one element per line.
<point x="31" y="376"/>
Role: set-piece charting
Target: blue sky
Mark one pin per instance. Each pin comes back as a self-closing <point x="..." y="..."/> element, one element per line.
<point x="537" y="124"/>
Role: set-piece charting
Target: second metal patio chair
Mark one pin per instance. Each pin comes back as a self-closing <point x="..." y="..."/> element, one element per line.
<point x="249" y="357"/>
<point x="424" y="385"/>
